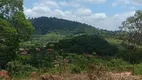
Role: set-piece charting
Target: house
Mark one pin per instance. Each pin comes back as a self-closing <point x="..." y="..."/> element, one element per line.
<point x="23" y="51"/>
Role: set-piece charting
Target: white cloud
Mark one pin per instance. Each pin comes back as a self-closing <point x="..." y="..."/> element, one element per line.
<point x="133" y="8"/>
<point x="64" y="3"/>
<point x="94" y="1"/>
<point x="120" y="2"/>
<point x="136" y="2"/>
<point x="77" y="3"/>
<point x="114" y="21"/>
<point x="48" y="3"/>
<point x="126" y="2"/>
<point x="83" y="12"/>
<point x="73" y="4"/>
<point x="84" y="15"/>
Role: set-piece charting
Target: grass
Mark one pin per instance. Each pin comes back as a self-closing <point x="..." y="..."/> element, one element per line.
<point x="138" y="69"/>
<point x="100" y="69"/>
<point x="114" y="41"/>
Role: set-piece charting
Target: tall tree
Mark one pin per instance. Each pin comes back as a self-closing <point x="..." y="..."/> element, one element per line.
<point x="132" y="28"/>
<point x="14" y="28"/>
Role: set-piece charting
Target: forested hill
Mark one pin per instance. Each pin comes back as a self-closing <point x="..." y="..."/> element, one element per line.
<point x="44" y="25"/>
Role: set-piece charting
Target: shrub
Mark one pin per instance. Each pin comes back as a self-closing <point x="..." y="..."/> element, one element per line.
<point x="138" y="69"/>
<point x="132" y="56"/>
<point x="15" y="68"/>
<point x="75" y="70"/>
<point x="118" y="65"/>
<point x="81" y="62"/>
<point x="25" y="59"/>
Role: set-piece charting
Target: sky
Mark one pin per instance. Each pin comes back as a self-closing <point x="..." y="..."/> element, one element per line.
<point x="102" y="14"/>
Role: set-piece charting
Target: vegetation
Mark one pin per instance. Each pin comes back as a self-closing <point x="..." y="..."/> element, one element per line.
<point x="44" y="25"/>
<point x="87" y="44"/>
<point x="132" y="28"/>
<point x="60" y="46"/>
<point x="16" y="69"/>
<point x="14" y="28"/>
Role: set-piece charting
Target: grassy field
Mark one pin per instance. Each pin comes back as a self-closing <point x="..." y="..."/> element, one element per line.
<point x="114" y="41"/>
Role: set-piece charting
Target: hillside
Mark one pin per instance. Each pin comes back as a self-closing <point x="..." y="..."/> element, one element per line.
<point x="44" y="25"/>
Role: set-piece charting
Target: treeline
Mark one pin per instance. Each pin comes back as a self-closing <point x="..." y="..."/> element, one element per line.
<point x="44" y="25"/>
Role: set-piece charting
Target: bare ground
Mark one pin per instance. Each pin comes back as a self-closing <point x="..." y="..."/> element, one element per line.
<point x="101" y="75"/>
<point x="88" y="76"/>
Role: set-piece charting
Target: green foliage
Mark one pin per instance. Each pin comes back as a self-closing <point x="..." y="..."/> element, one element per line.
<point x="8" y="43"/>
<point x="109" y="34"/>
<point x="132" y="56"/>
<point x="30" y="44"/>
<point x="50" y="37"/>
<point x="14" y="28"/>
<point x="10" y="7"/>
<point x="127" y="51"/>
<point x="25" y="59"/>
<point x="81" y="62"/>
<point x="54" y="63"/>
<point x="42" y="40"/>
<point x="75" y="70"/>
<point x="16" y="68"/>
<point x="39" y="58"/>
<point x="132" y="28"/>
<point x="87" y="44"/>
<point x="22" y="25"/>
<point x="138" y="69"/>
<point x="114" y="41"/>
<point x="118" y="65"/>
<point x="43" y="25"/>
<point x="78" y="60"/>
<point x="94" y="53"/>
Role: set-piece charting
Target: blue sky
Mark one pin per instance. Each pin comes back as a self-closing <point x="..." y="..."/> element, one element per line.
<point x="104" y="14"/>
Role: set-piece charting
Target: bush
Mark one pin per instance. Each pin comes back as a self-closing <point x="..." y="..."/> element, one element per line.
<point x="87" y="44"/>
<point x="132" y="56"/>
<point x="118" y="65"/>
<point x="75" y="70"/>
<point x="15" y="68"/>
<point x="81" y="61"/>
<point x="25" y="59"/>
<point x="138" y="69"/>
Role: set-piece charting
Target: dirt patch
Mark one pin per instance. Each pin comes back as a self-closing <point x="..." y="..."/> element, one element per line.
<point x="84" y="76"/>
<point x="108" y="76"/>
<point x="51" y="77"/>
<point x="4" y="75"/>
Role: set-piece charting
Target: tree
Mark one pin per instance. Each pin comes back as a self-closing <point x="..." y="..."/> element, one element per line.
<point x="7" y="42"/>
<point x="87" y="44"/>
<point x="14" y="28"/>
<point x="132" y="28"/>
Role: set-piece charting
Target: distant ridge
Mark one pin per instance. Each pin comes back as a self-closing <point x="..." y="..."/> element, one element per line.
<point x="44" y="25"/>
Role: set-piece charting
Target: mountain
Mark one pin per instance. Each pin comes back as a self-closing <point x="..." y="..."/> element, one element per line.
<point x="44" y="25"/>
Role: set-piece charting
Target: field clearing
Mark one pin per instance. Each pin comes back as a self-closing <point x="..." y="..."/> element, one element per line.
<point x="114" y="41"/>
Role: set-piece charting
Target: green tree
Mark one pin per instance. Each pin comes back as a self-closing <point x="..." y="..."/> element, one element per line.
<point x="87" y="44"/>
<point x="14" y="28"/>
<point x="7" y="42"/>
<point x="132" y="28"/>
